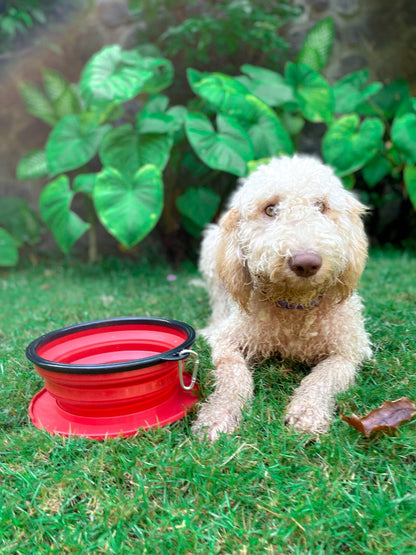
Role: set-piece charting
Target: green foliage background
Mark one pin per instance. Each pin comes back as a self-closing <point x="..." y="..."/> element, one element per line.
<point x="158" y="165"/>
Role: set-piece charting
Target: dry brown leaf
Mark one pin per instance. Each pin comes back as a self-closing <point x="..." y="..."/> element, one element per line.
<point x="387" y="417"/>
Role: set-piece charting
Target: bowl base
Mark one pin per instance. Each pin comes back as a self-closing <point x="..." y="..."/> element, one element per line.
<point x="46" y="414"/>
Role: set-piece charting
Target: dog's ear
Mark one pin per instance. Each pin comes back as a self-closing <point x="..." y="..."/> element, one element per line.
<point x="230" y="265"/>
<point x="357" y="249"/>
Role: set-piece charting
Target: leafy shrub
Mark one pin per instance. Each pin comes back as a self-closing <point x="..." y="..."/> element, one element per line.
<point x="369" y="128"/>
<point x="115" y="159"/>
<point x="90" y="126"/>
<point x="216" y="30"/>
<point x="19" y="17"/>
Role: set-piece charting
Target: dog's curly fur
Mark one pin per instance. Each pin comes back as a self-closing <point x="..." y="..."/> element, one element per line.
<point x="264" y="303"/>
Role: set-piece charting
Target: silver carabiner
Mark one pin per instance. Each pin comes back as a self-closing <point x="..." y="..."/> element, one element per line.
<point x="194" y="369"/>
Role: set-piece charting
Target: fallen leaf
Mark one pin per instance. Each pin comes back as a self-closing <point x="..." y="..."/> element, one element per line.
<point x="387" y="417"/>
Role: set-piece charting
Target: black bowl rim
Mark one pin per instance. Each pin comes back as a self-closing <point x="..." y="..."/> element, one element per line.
<point x="62" y="368"/>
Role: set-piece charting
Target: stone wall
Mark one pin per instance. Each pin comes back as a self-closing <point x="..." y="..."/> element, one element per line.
<point x="379" y="34"/>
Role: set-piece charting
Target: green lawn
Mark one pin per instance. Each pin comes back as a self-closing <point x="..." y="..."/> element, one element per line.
<point x="263" y="490"/>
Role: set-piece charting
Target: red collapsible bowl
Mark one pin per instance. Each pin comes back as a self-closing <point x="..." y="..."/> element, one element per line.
<point x="110" y="378"/>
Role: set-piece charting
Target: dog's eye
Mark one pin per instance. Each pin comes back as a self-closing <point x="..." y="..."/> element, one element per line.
<point x="321" y="206"/>
<point x="271" y="210"/>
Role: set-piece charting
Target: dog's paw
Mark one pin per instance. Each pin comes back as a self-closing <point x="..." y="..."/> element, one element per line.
<point x="212" y="422"/>
<point x="308" y="418"/>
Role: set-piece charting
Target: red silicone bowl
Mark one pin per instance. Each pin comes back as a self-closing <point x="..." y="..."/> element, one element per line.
<point x="110" y="378"/>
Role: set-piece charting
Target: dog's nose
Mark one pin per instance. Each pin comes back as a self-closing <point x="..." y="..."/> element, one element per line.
<point x="305" y="264"/>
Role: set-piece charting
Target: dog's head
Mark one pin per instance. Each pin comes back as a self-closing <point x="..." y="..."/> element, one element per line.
<point x="292" y="232"/>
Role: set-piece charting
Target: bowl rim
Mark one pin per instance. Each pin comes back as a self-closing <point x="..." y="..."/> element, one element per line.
<point x="171" y="355"/>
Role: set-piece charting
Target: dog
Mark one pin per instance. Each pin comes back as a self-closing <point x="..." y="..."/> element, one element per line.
<point x="281" y="268"/>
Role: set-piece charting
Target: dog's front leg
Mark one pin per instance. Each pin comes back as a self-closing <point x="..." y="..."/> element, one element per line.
<point x="221" y="413"/>
<point x="312" y="404"/>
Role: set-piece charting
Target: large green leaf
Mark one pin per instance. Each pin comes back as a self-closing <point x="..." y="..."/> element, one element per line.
<point x="267" y="85"/>
<point x="268" y="135"/>
<point x="409" y="175"/>
<point x="312" y="92"/>
<point x="403" y="134"/>
<point x="155" y="117"/>
<point x="129" y="208"/>
<point x="113" y="74"/>
<point x="229" y="149"/>
<point x="317" y="45"/>
<point x="197" y="207"/>
<point x="161" y="74"/>
<point x="352" y="90"/>
<point x="156" y="103"/>
<point x="55" y="210"/>
<point x="32" y="165"/>
<point x="19" y="220"/>
<point x="349" y="145"/>
<point x="155" y="122"/>
<point x="228" y="96"/>
<point x="222" y="92"/>
<point x="388" y="101"/>
<point x="72" y="143"/>
<point x="126" y="150"/>
<point x="9" y="255"/>
<point x="377" y="168"/>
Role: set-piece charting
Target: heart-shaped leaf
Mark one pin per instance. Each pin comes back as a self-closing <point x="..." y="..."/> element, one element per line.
<point x="161" y="74"/>
<point x="129" y="208"/>
<point x="389" y="100"/>
<point x="55" y="210"/>
<point x="9" y="254"/>
<point x="222" y="92"/>
<point x="72" y="144"/>
<point x="267" y="85"/>
<point x="377" y="168"/>
<point x="229" y="96"/>
<point x="267" y="134"/>
<point x="155" y="117"/>
<point x="403" y="134"/>
<point x="229" y="149"/>
<point x="113" y="74"/>
<point x="197" y="206"/>
<point x="155" y="122"/>
<point x="126" y="150"/>
<point x="32" y="165"/>
<point x="156" y="103"/>
<point x="352" y="90"/>
<point x="312" y="92"/>
<point x="348" y="145"/>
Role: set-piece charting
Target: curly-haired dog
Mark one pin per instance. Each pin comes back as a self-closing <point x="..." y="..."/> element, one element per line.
<point x="281" y="269"/>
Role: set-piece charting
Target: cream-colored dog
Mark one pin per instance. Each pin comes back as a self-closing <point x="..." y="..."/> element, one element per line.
<point x="281" y="269"/>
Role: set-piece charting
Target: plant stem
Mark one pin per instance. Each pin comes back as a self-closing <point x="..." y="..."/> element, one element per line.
<point x="92" y="231"/>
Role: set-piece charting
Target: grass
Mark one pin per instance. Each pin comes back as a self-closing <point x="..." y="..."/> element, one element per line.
<point x="265" y="489"/>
